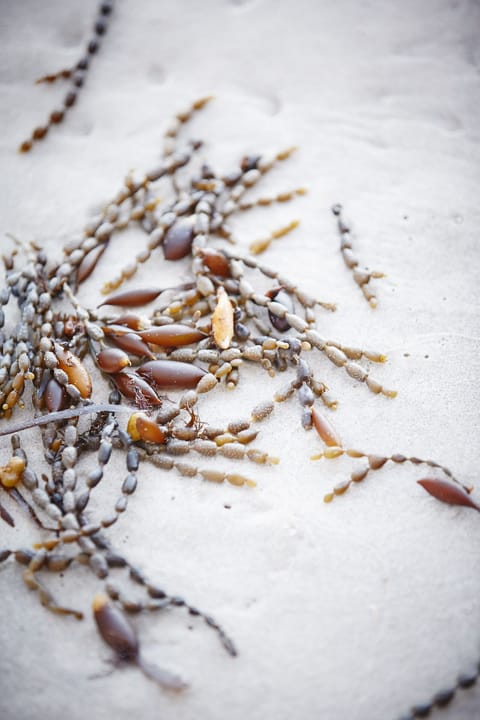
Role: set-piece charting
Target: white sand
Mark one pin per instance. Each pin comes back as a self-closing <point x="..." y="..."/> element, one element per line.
<point x="349" y="611"/>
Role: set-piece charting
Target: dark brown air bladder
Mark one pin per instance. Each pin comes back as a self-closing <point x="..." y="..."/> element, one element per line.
<point x="173" y="335"/>
<point x="448" y="492"/>
<point x="115" y="629"/>
<point x="132" y="344"/>
<point x="216" y="262"/>
<point x="178" y="240"/>
<point x="55" y="396"/>
<point x="119" y="634"/>
<point x="89" y="262"/>
<point x="171" y="374"/>
<point x="133" y="298"/>
<point x="112" y="360"/>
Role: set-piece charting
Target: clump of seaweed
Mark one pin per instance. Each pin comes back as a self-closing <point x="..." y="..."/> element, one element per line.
<point x="200" y="335"/>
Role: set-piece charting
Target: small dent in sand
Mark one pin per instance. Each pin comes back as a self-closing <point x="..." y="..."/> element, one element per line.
<point x="267" y="102"/>
<point x="71" y="34"/>
<point x="241" y="3"/>
<point x="274" y="105"/>
<point x="156" y="74"/>
<point x="81" y="128"/>
<point x="450" y="121"/>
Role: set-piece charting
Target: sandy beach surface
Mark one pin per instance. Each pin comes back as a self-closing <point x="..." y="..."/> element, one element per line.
<point x="355" y="610"/>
